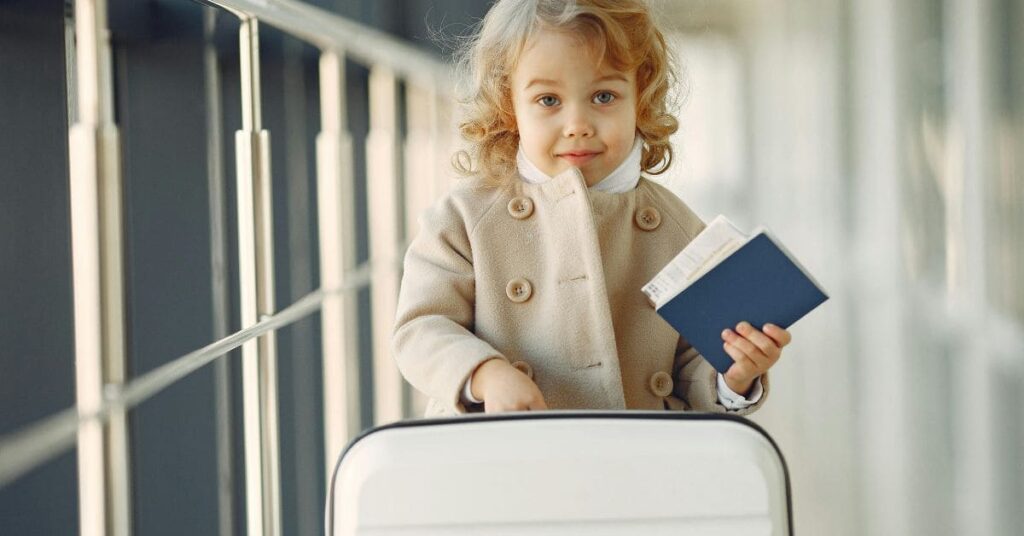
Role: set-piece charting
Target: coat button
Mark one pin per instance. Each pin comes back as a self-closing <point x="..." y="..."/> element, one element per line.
<point x="661" y="384"/>
<point x="648" y="218"/>
<point x="518" y="290"/>
<point x="524" y="367"/>
<point x="520" y="207"/>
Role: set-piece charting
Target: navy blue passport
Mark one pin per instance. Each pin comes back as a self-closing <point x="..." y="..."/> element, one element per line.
<point x="758" y="283"/>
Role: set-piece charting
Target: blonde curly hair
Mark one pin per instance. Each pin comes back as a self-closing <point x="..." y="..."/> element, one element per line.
<point x="622" y="32"/>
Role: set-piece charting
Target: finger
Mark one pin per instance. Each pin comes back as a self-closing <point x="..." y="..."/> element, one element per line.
<point x="781" y="336"/>
<point x="762" y="341"/>
<point x="758" y="361"/>
<point x="744" y="363"/>
<point x="745" y="346"/>
<point x="493" y="408"/>
<point x="505" y="407"/>
<point x="518" y="407"/>
<point x="537" y="400"/>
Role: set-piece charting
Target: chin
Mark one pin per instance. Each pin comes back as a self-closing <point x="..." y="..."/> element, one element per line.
<point x="559" y="170"/>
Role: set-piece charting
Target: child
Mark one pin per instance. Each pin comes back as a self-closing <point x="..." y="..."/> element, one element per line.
<point x="522" y="291"/>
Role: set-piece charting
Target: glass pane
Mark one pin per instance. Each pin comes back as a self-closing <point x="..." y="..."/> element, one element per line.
<point x="925" y="187"/>
<point x="1005" y="218"/>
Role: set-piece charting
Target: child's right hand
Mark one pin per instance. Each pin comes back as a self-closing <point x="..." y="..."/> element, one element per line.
<point x="504" y="388"/>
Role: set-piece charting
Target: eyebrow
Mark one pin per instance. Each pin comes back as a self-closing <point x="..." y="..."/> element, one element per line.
<point x="548" y="82"/>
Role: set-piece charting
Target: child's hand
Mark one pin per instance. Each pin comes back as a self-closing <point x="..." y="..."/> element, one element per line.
<point x="504" y="388"/>
<point x="753" y="351"/>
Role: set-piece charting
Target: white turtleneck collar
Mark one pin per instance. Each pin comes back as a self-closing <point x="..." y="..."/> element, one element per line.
<point x="623" y="179"/>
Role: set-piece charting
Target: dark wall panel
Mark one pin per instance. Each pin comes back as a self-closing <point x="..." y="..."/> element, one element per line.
<point x="36" y="331"/>
<point x="432" y="25"/>
<point x="161" y="110"/>
<point x="35" y="266"/>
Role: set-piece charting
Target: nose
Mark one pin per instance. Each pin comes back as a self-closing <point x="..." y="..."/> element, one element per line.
<point x="578" y="123"/>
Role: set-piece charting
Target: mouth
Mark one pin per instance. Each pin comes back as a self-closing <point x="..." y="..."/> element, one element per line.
<point x="578" y="158"/>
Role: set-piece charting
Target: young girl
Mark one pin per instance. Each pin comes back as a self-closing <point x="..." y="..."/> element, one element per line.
<point x="522" y="290"/>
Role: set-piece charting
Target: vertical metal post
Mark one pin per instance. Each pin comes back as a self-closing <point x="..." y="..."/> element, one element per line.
<point x="219" y="275"/>
<point x="97" y="251"/>
<point x="382" y="191"/>
<point x="444" y="130"/>
<point x="421" y="148"/>
<point x="337" y="230"/>
<point x="877" y="172"/>
<point x="256" y="293"/>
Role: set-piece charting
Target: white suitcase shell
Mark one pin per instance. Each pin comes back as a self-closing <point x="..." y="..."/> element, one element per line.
<point x="559" y="473"/>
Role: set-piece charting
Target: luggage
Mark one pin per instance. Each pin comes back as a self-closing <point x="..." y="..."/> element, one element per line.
<point x="560" y="473"/>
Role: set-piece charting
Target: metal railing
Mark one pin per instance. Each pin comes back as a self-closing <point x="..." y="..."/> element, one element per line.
<point x="97" y="424"/>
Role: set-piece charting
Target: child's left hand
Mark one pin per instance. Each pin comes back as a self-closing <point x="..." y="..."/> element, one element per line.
<point x="753" y="351"/>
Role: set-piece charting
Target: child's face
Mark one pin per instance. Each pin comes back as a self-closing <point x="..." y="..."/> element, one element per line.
<point x="571" y="112"/>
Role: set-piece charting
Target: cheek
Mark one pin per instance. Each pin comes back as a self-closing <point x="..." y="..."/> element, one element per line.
<point x="628" y="118"/>
<point x="627" y="128"/>
<point x="535" y="131"/>
<point x="522" y="120"/>
<point x="517" y="118"/>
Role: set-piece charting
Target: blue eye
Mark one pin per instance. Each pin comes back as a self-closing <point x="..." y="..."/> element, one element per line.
<point x="548" y="101"/>
<point x="604" y="97"/>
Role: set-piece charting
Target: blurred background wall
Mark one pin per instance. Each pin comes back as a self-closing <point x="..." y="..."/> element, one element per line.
<point x="880" y="140"/>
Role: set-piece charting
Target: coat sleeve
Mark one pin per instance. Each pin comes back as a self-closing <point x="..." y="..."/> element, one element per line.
<point x="433" y="341"/>
<point x="696" y="382"/>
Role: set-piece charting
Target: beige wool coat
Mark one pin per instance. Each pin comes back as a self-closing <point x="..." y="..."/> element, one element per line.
<point x="548" y="277"/>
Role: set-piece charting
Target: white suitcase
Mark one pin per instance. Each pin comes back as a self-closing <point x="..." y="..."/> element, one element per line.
<point x="560" y="473"/>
